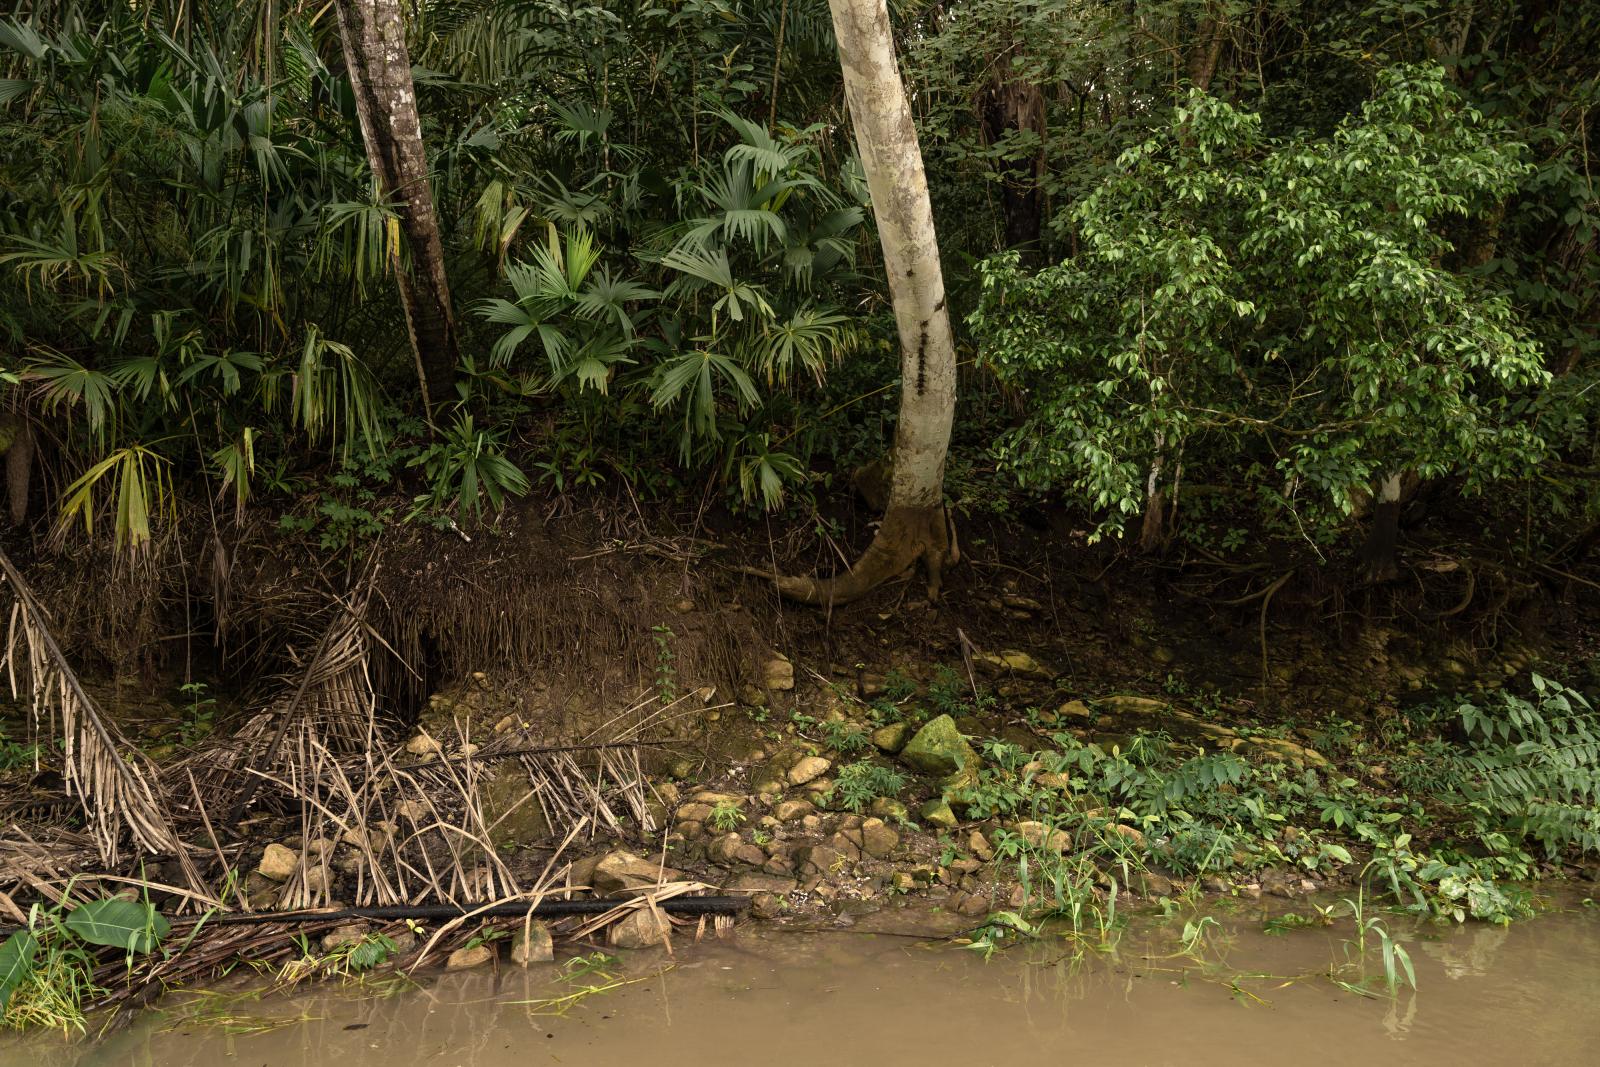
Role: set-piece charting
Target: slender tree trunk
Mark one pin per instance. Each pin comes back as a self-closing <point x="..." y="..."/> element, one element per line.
<point x="17" y="441"/>
<point x="1206" y="50"/>
<point x="379" y="68"/>
<point x="1379" y="562"/>
<point x="1154" y="535"/>
<point x="915" y="526"/>
<point x="1011" y="104"/>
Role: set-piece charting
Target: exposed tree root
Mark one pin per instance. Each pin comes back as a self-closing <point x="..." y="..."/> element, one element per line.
<point x="905" y="537"/>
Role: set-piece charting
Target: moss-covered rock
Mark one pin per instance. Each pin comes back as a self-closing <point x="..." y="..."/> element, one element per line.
<point x="936" y="812"/>
<point x="891" y="738"/>
<point x="938" y="748"/>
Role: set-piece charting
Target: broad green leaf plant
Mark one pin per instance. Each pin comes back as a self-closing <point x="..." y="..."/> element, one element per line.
<point x="1284" y="315"/>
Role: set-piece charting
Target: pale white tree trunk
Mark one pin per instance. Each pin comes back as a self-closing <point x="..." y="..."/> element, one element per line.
<point x="914" y="526"/>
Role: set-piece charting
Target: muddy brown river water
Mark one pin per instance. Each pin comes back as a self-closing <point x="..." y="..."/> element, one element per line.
<point x="1485" y="995"/>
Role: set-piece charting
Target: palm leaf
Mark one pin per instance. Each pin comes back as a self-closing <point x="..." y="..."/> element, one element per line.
<point x="112" y="779"/>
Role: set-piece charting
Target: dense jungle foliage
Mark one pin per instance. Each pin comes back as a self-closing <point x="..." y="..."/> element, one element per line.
<point x="1263" y="289"/>
<point x="1242" y="267"/>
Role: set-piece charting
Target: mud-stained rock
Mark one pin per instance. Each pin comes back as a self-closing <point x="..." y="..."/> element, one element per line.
<point x="777" y="674"/>
<point x="753" y="882"/>
<point x="694" y="812"/>
<point x="891" y="738"/>
<point x="819" y="860"/>
<point x="768" y="905"/>
<point x="260" y="891"/>
<point x="373" y="837"/>
<point x="424" y="746"/>
<point x="877" y="839"/>
<point x="731" y="850"/>
<point x="847" y="843"/>
<point x="1039" y="835"/>
<point x="1075" y="711"/>
<point x="463" y="959"/>
<point x="639" y="929"/>
<point x="278" y="862"/>
<point x="706" y="796"/>
<point x="972" y="905"/>
<point x="581" y="870"/>
<point x="808" y="769"/>
<point x="939" y="748"/>
<point x="937" y="812"/>
<point x="416" y="812"/>
<point x="1288" y="751"/>
<point x="318" y="880"/>
<point x="1152" y="884"/>
<point x="792" y="810"/>
<point x="1127" y="705"/>
<point x="511" y="807"/>
<point x="532" y="944"/>
<point x="621" y="872"/>
<point x="890" y="809"/>
<point x="1012" y="661"/>
<point x="348" y="934"/>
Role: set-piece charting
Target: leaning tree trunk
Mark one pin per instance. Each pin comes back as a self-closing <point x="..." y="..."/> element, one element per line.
<point x="379" y="67"/>
<point x="915" y="526"/>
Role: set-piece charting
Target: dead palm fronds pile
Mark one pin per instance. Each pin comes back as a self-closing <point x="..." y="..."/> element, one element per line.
<point x="377" y="824"/>
<point x="399" y="836"/>
<point x="329" y="698"/>
<point x="116" y="786"/>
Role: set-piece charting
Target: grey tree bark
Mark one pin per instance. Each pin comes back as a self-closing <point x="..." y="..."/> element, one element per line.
<point x="915" y="527"/>
<point x="379" y="68"/>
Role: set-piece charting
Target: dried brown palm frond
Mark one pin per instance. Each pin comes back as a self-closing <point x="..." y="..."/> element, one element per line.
<point x="334" y="688"/>
<point x="36" y="862"/>
<point x="649" y="901"/>
<point x="400" y="835"/>
<point x="604" y="795"/>
<point x="331" y="696"/>
<point x="115" y="784"/>
<point x="542" y="887"/>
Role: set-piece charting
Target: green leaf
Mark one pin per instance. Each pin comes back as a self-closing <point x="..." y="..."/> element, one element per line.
<point x="128" y="924"/>
<point x="16" y="963"/>
<point x="371" y="952"/>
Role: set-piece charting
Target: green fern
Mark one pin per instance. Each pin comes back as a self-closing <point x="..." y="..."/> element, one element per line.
<point x="1534" y="765"/>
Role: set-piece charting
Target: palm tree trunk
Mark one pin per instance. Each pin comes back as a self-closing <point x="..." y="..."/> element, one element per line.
<point x="379" y="68"/>
<point x="915" y="526"/>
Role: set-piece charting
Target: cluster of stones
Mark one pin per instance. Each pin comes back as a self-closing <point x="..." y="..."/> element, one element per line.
<point x="782" y="840"/>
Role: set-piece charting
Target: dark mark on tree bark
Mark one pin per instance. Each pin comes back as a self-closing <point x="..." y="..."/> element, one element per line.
<point x="922" y="350"/>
